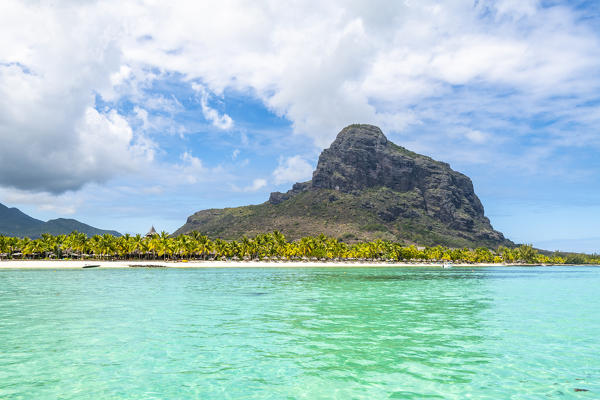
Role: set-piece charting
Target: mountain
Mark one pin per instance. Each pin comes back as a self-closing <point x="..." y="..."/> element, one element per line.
<point x="66" y="225"/>
<point x="14" y="222"/>
<point x="364" y="188"/>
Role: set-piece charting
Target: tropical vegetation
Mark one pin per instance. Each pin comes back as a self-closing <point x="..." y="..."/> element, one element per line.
<point x="270" y="246"/>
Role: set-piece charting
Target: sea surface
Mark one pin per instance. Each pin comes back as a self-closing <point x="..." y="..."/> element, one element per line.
<point x="301" y="333"/>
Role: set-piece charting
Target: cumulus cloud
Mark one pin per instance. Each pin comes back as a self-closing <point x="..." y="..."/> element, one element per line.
<point x="220" y="121"/>
<point x="343" y="62"/>
<point x="322" y="65"/>
<point x="192" y="169"/>
<point x="518" y="8"/>
<point x="256" y="185"/>
<point x="189" y="171"/>
<point x="292" y="169"/>
<point x="152" y="123"/>
<point x="63" y="204"/>
<point x="476" y="136"/>
<point x="53" y="138"/>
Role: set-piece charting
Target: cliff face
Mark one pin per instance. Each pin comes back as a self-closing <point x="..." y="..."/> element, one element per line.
<point x="361" y="157"/>
<point x="365" y="187"/>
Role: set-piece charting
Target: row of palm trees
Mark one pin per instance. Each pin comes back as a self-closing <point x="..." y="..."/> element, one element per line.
<point x="268" y="246"/>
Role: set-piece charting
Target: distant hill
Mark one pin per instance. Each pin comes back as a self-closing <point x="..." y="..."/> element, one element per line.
<point x="13" y="222"/>
<point x="364" y="188"/>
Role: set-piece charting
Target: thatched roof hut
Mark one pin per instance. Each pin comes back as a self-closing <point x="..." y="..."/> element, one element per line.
<point x="151" y="232"/>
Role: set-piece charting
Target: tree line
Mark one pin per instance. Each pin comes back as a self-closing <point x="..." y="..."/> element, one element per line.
<point x="269" y="246"/>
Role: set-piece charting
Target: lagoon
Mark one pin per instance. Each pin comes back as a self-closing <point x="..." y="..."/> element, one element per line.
<point x="213" y="333"/>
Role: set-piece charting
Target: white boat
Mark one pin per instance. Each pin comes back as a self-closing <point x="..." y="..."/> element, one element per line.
<point x="447" y="265"/>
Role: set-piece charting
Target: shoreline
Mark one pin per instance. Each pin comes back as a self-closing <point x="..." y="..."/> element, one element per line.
<point x="76" y="264"/>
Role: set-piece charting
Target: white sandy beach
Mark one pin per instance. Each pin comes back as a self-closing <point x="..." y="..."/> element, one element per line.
<point x="60" y="264"/>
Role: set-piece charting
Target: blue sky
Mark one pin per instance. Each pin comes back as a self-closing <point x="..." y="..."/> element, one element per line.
<point x="130" y="115"/>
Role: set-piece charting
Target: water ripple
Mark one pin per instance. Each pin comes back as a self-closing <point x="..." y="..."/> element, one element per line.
<point x="300" y="333"/>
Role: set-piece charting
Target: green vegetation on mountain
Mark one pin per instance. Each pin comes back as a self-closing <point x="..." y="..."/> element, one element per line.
<point x="365" y="188"/>
<point x="14" y="222"/>
<point x="272" y="246"/>
<point x="348" y="217"/>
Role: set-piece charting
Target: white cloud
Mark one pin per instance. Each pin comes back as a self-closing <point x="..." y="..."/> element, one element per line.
<point x="192" y="168"/>
<point x="293" y="169"/>
<point x="322" y="65"/>
<point x="257" y="184"/>
<point x="516" y="8"/>
<point x="325" y="65"/>
<point x="476" y="136"/>
<point x="220" y="121"/>
<point x="189" y="171"/>
<point x="165" y="104"/>
<point x="64" y="204"/>
<point x="154" y="123"/>
<point x="52" y="60"/>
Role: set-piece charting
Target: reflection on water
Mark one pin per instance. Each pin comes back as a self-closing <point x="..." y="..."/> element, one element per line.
<point x="299" y="333"/>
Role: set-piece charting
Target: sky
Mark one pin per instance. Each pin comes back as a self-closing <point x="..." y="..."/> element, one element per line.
<point x="129" y="114"/>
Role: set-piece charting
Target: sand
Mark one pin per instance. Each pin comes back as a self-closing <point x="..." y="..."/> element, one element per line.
<point x="60" y="264"/>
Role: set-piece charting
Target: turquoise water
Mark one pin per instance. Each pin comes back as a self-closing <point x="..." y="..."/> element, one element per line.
<point x="491" y="333"/>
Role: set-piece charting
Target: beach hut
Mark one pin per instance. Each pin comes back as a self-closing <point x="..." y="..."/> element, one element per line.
<point x="151" y="232"/>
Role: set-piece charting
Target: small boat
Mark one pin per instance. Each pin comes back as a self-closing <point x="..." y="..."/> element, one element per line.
<point x="91" y="266"/>
<point x="447" y="265"/>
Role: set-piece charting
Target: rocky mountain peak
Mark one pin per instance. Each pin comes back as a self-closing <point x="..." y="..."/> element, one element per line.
<point x="359" y="136"/>
<point x="364" y="182"/>
<point x="361" y="157"/>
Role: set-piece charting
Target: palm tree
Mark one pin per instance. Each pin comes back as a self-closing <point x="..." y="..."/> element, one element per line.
<point x="20" y="244"/>
<point x="102" y="245"/>
<point x="183" y="245"/>
<point x="76" y="242"/>
<point x="203" y="246"/>
<point x="145" y="247"/>
<point x="484" y="255"/>
<point x="164" y="245"/>
<point x="220" y="247"/>
<point x="123" y="246"/>
<point x="136" y="245"/>
<point x="262" y="245"/>
<point x="3" y="246"/>
<point x="306" y="246"/>
<point x="526" y="253"/>
<point x="27" y="246"/>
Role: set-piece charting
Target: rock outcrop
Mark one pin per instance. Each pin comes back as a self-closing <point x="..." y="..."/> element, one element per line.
<point x="366" y="187"/>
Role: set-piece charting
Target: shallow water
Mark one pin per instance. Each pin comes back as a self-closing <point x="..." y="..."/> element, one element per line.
<point x="489" y="333"/>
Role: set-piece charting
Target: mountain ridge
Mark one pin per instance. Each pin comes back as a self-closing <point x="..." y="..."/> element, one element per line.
<point x="365" y="187"/>
<point x="14" y="222"/>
